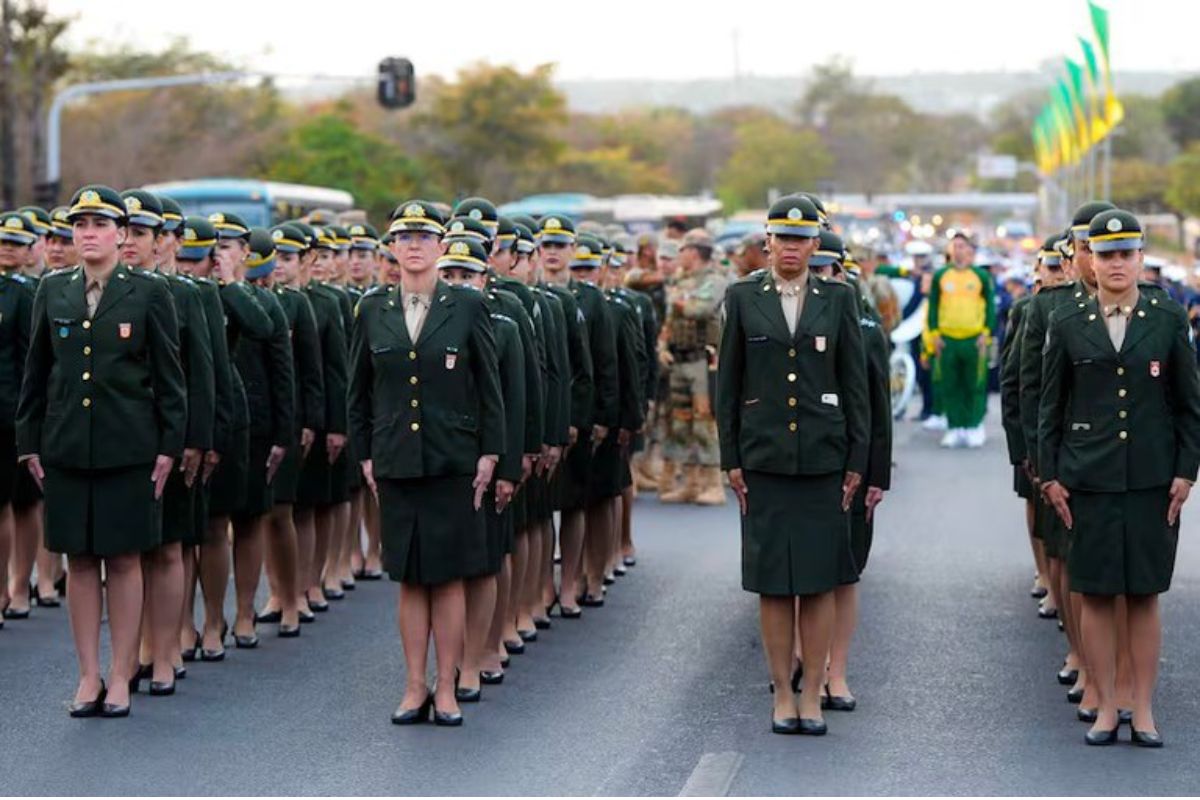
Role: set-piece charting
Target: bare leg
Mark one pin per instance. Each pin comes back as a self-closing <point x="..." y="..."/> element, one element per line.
<point x="845" y="620"/>
<point x="777" y="616"/>
<point x="816" y="622"/>
<point x="325" y="518"/>
<point x="25" y="547"/>
<point x="164" y="600"/>
<point x="596" y="541"/>
<point x="333" y="548"/>
<point x="1125" y="680"/>
<point x="516" y="607"/>
<point x="1145" y="639"/>
<point x="1100" y="648"/>
<point x="373" y="560"/>
<point x="571" y="543"/>
<point x="626" y="549"/>
<point x="1056" y="596"/>
<point x="6" y="545"/>
<point x="447" y="616"/>
<point x="1039" y="552"/>
<point x="546" y="566"/>
<point x="124" y="590"/>
<point x="247" y="570"/>
<point x="47" y="569"/>
<point x="412" y="611"/>
<point x="187" y="619"/>
<point x="531" y="590"/>
<point x="283" y="543"/>
<point x="480" y="613"/>
<point x="214" y="580"/>
<point x="352" y="541"/>
<point x="306" y="542"/>
<point x="84" y="605"/>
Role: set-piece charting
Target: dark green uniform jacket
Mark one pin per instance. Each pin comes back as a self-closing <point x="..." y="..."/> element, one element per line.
<point x="507" y="301"/>
<point x="430" y="408"/>
<point x="630" y="351"/>
<point x="195" y="355"/>
<point x="244" y="317"/>
<point x="646" y="316"/>
<point x="16" y="315"/>
<point x="879" y="381"/>
<point x="105" y="392"/>
<point x="1010" y="381"/>
<point x="556" y="397"/>
<point x="1036" y="321"/>
<point x="792" y="405"/>
<point x="266" y="369"/>
<point x="602" y="340"/>
<point x="306" y="359"/>
<point x="1114" y="421"/>
<point x="331" y="333"/>
<point x="223" y="388"/>
<point x="510" y="357"/>
<point x="579" y="355"/>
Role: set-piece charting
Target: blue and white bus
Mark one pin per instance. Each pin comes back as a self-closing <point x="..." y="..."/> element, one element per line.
<point x="260" y="203"/>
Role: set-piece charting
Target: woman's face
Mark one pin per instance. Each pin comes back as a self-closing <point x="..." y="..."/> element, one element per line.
<point x="417" y="251"/>
<point x="97" y="238"/>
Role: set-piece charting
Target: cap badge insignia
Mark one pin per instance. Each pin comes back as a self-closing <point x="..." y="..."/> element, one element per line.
<point x="133" y="204"/>
<point x="553" y="224"/>
<point x="457" y="226"/>
<point x="90" y="197"/>
<point x="217" y="219"/>
<point x="475" y="214"/>
<point x="1114" y="225"/>
<point x="460" y="249"/>
<point x="795" y="213"/>
<point x="414" y="210"/>
<point x="189" y="234"/>
<point x="15" y="223"/>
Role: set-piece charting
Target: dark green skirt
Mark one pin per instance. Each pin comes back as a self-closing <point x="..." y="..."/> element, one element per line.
<point x="287" y="477"/>
<point x="9" y="466"/>
<point x="341" y="478"/>
<point x="500" y="534"/>
<point x="102" y="513"/>
<point x="576" y="475"/>
<point x="862" y="533"/>
<point x="179" y="510"/>
<point x="1049" y="528"/>
<point x="795" y="536"/>
<point x="259" y="497"/>
<point x="227" y="487"/>
<point x="607" y="465"/>
<point x="1121" y="542"/>
<point x="26" y="493"/>
<point x="1021" y="484"/>
<point x="313" y="488"/>
<point x="430" y="530"/>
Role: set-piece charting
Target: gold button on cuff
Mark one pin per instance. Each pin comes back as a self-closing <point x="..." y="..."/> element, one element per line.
<point x="87" y="350"/>
<point x="87" y="402"/>
<point x="1121" y="393"/>
<point x="87" y="323"/>
<point x="1123" y="435"/>
<point x="792" y="427"/>
<point x="791" y="377"/>
<point x="416" y="426"/>
<point x="791" y="402"/>
<point x="87" y="376"/>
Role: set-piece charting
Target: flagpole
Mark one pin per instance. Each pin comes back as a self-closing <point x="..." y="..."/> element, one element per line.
<point x="1106" y="190"/>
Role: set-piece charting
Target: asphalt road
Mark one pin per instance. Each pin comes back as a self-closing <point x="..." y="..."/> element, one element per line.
<point x="664" y="688"/>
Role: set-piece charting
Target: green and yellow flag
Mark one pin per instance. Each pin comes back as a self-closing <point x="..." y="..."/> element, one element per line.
<point x="1095" y="102"/>
<point x="1083" y="127"/>
<point x="1114" y="112"/>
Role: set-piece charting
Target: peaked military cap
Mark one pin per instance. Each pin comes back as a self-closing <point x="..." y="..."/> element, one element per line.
<point x="172" y="213"/>
<point x="525" y="241"/>
<point x="464" y="253"/>
<point x="829" y="250"/>
<point x="816" y="201"/>
<point x="261" y="260"/>
<point x="417" y="215"/>
<point x="197" y="238"/>
<point x="97" y="199"/>
<point x="230" y="226"/>
<point x="16" y="228"/>
<point x="363" y="237"/>
<point x="1115" y="229"/>
<point x="321" y="217"/>
<point x="1083" y="217"/>
<point x="288" y="238"/>
<point x="341" y="237"/>
<point x="323" y="238"/>
<point x="60" y="226"/>
<point x="39" y="217"/>
<point x="1050" y="255"/>
<point x="526" y="220"/>
<point x="307" y="231"/>
<point x="506" y="234"/>
<point x="479" y="209"/>
<point x="465" y="227"/>
<point x="143" y="208"/>
<point x="555" y="228"/>
<point x="588" y="253"/>
<point x="794" y="215"/>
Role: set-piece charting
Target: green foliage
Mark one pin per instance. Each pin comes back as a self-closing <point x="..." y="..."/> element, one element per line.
<point x="329" y="150"/>
<point x="771" y="155"/>
<point x="1139" y="185"/>
<point x="1181" y="109"/>
<point x="1183" y="189"/>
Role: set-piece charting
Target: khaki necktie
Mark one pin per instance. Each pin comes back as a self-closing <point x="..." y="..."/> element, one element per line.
<point x="414" y="316"/>
<point x="95" y="290"/>
<point x="1116" y="319"/>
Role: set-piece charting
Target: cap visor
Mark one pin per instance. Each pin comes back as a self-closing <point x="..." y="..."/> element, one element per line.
<point x="449" y="262"/>
<point x="193" y="253"/>
<point x="556" y="238"/>
<point x="805" y="232"/>
<point x="1111" y="245"/>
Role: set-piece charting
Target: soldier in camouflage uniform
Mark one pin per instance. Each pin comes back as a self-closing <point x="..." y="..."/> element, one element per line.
<point x="687" y="347"/>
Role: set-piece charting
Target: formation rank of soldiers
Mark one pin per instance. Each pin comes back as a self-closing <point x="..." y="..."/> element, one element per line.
<point x="1101" y="409"/>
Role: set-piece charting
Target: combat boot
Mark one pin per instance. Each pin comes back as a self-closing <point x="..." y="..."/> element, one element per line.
<point x="712" y="491"/>
<point x="688" y="491"/>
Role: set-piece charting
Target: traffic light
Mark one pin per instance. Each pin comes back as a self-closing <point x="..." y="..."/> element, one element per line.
<point x="397" y="84"/>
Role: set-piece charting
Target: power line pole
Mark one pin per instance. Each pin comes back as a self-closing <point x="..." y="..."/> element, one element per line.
<point x="8" y="110"/>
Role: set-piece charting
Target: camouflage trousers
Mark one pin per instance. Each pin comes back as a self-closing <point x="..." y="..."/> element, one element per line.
<point x="691" y="429"/>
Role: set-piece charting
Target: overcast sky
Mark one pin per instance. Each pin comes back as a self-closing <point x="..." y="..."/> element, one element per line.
<point x="648" y="39"/>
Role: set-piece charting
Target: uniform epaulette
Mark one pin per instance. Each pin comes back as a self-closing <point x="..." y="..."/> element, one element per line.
<point x="496" y="315"/>
<point x="59" y="271"/>
<point x="374" y="290"/>
<point x="19" y="278"/>
<point x="753" y="277"/>
<point x="148" y="275"/>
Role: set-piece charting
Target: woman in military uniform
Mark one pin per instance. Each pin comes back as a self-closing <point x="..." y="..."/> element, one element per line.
<point x="427" y="420"/>
<point x="103" y="408"/>
<point x="1119" y="426"/>
<point x="793" y="411"/>
<point x="16" y="309"/>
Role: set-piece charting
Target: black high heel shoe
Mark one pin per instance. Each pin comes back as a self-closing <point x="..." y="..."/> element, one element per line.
<point x="112" y="710"/>
<point x="35" y="598"/>
<point x="193" y="652"/>
<point x="289" y="631"/>
<point x="269" y="618"/>
<point x="541" y="623"/>
<point x="334" y="594"/>
<point x="245" y="642"/>
<point x="413" y="716"/>
<point x="835" y="702"/>
<point x="489" y="678"/>
<point x="465" y="695"/>
<point x="446" y="719"/>
<point x="514" y="648"/>
<point x="1087" y="715"/>
<point x="1067" y="677"/>
<point x="216" y="655"/>
<point x="143" y="672"/>
<point x="786" y="727"/>
<point x="180" y="672"/>
<point x="1102" y="738"/>
<point x="812" y="727"/>
<point x="1045" y="613"/>
<point x="162" y="688"/>
<point x="1075" y="696"/>
<point x="592" y="602"/>
<point x="88" y="708"/>
<point x="1146" y="738"/>
<point x="528" y="636"/>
